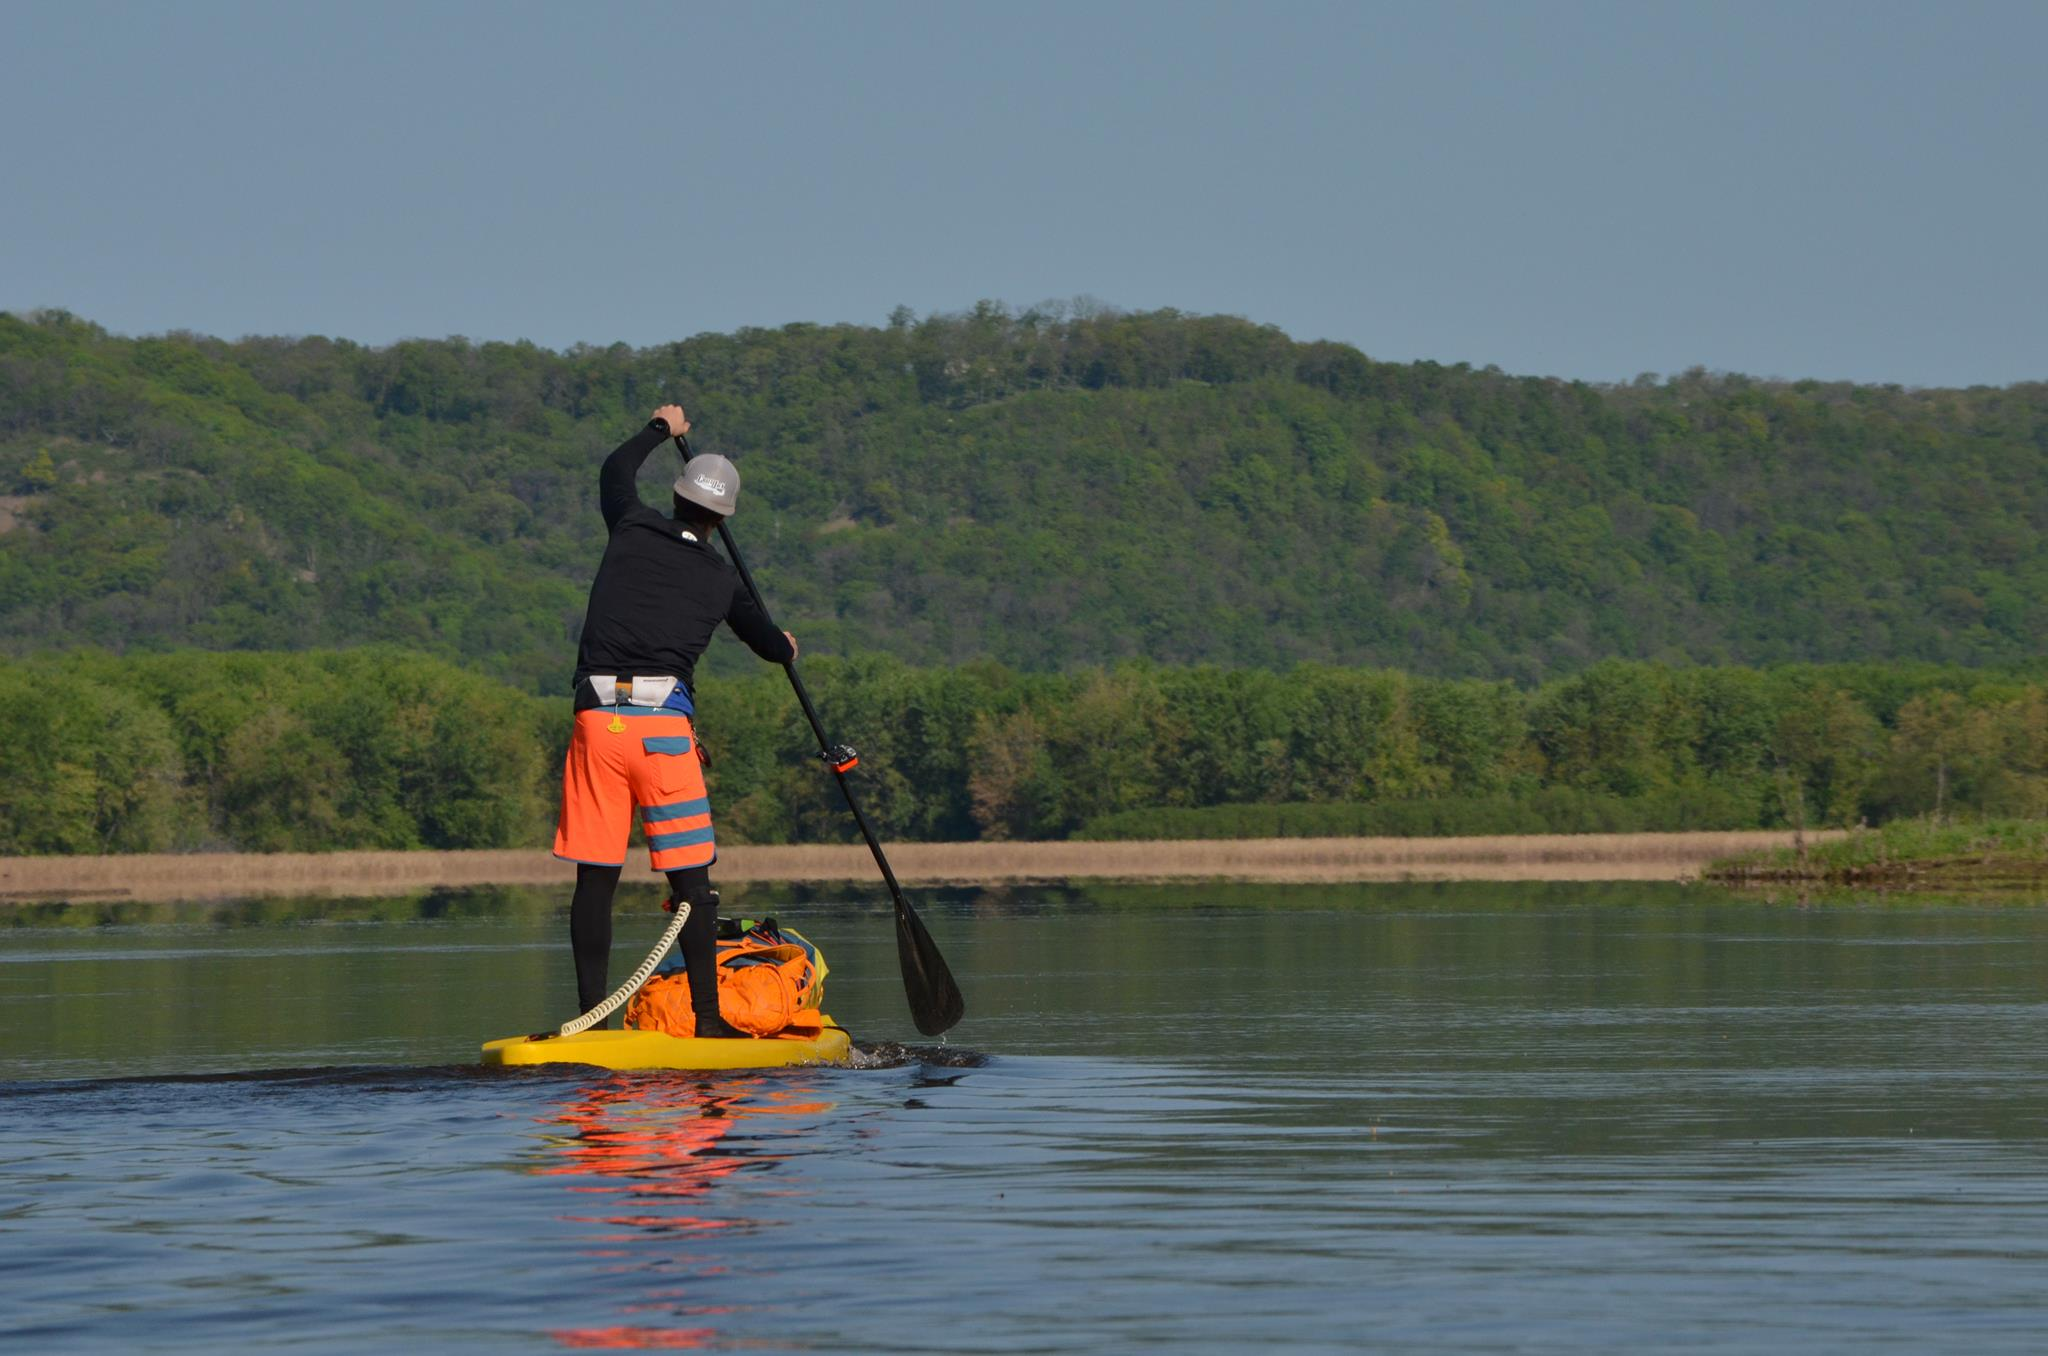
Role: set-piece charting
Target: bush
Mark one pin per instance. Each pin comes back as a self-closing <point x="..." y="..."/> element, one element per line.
<point x="268" y="752"/>
<point x="1551" y="810"/>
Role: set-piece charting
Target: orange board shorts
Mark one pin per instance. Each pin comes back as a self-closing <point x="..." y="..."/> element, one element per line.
<point x="652" y="764"/>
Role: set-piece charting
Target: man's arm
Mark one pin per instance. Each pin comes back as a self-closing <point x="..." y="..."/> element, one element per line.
<point x="616" y="492"/>
<point x="751" y="624"/>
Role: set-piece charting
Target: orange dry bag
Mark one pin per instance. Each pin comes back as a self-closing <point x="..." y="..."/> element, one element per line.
<point x="771" y="982"/>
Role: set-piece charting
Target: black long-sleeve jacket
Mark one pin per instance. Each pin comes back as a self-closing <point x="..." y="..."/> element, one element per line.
<point x="660" y="591"/>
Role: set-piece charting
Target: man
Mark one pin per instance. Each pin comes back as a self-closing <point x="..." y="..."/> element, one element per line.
<point x="659" y="594"/>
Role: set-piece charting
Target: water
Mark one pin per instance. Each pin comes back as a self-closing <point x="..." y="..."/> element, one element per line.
<point x="1420" y="1117"/>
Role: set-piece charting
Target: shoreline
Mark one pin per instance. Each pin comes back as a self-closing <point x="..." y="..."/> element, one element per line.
<point x="1923" y="854"/>
<point x="1983" y="871"/>
<point x="1940" y="873"/>
<point x="1535" y="857"/>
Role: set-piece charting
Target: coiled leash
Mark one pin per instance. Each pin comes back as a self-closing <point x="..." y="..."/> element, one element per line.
<point x="621" y="995"/>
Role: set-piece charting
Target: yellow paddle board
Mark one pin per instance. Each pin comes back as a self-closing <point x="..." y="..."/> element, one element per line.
<point x="654" y="1050"/>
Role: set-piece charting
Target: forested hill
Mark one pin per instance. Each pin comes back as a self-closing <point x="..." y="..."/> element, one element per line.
<point x="1048" y="491"/>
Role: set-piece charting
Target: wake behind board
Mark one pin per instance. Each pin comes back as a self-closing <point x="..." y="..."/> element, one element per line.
<point x="656" y="1050"/>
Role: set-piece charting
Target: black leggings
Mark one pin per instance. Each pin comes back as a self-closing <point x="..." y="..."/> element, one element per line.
<point x="590" y="933"/>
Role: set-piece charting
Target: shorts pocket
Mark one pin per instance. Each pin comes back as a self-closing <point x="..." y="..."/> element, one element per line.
<point x="665" y="744"/>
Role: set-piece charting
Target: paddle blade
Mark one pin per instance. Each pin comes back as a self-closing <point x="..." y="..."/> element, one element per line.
<point x="935" y="1001"/>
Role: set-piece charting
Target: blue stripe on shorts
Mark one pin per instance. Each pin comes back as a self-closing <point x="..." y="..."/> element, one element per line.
<point x="662" y="842"/>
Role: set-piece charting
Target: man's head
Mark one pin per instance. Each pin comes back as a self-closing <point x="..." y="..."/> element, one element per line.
<point x="708" y="483"/>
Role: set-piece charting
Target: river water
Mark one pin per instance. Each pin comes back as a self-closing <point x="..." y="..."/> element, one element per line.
<point x="1434" y="1118"/>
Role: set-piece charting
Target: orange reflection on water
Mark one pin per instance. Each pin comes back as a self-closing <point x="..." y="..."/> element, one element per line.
<point x="635" y="1339"/>
<point x="655" y="1145"/>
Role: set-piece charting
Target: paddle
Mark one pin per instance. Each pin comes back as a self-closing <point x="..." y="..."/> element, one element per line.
<point x="935" y="1002"/>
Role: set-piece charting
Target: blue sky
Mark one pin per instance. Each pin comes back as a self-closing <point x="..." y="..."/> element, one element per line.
<point x="1586" y="190"/>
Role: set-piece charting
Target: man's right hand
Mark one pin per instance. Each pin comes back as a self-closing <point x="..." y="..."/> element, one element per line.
<point x="672" y="415"/>
<point x="792" y="643"/>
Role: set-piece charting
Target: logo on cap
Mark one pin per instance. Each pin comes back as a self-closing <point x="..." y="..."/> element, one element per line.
<point x="711" y="486"/>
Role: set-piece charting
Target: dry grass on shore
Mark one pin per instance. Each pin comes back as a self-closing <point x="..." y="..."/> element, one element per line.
<point x="1537" y="857"/>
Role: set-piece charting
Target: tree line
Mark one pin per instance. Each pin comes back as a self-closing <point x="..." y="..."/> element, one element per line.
<point x="378" y="748"/>
<point x="1049" y="488"/>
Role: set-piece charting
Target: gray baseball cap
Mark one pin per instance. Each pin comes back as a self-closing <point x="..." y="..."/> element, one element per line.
<point x="710" y="481"/>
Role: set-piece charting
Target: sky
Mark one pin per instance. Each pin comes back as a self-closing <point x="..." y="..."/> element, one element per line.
<point x="1842" y="190"/>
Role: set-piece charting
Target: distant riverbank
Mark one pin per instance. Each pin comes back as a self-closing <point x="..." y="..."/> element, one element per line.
<point x="1906" y="854"/>
<point x="1535" y="857"/>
